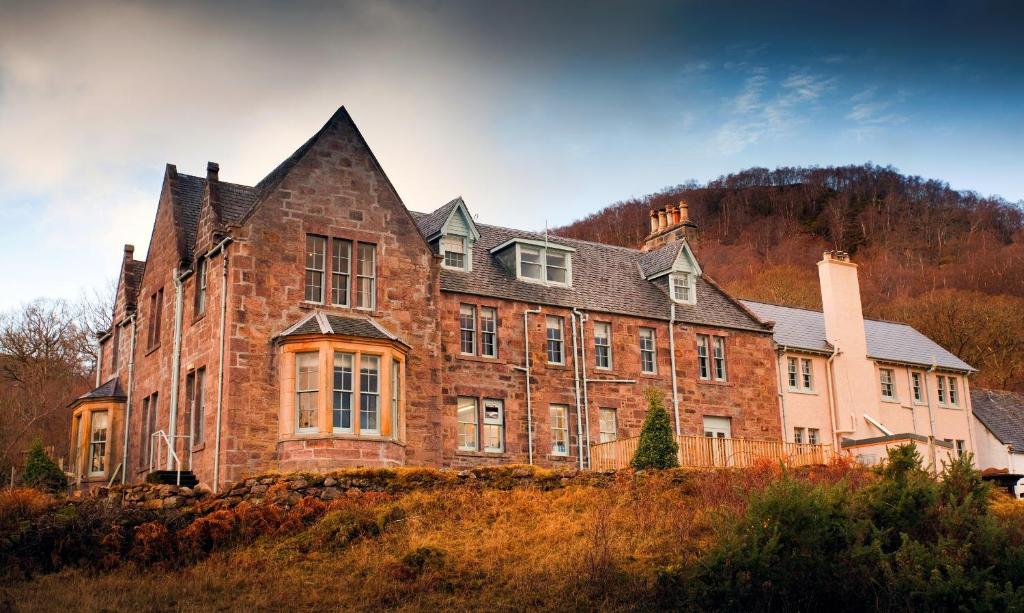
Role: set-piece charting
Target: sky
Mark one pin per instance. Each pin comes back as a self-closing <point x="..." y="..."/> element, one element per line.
<point x="535" y="112"/>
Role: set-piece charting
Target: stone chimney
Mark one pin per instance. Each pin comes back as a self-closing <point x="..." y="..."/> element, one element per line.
<point x="855" y="389"/>
<point x="212" y="171"/>
<point x="668" y="225"/>
<point x="129" y="253"/>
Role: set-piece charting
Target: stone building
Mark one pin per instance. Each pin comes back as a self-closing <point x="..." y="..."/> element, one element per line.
<point x="312" y="321"/>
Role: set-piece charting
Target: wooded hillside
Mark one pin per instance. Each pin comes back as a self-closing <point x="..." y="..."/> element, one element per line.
<point x="950" y="263"/>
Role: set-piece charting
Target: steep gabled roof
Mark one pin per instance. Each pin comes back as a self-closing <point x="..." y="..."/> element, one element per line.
<point x="430" y="224"/>
<point x="1002" y="413"/>
<point x="887" y="341"/>
<point x="605" y="278"/>
<point x="659" y="260"/>
<point x="234" y="202"/>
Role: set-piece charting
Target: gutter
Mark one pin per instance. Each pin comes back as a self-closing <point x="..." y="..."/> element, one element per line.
<point x="128" y="403"/>
<point x="221" y="247"/>
<point x="172" y="426"/>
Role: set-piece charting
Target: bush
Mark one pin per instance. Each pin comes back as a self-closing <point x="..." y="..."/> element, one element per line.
<point x="21" y="505"/>
<point x="657" y="447"/>
<point x="41" y="472"/>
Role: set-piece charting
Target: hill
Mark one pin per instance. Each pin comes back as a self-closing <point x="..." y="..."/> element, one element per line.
<point x="948" y="262"/>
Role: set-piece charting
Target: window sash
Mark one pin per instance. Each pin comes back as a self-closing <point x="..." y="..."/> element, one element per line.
<point x="941" y="384"/>
<point x="681" y="287"/>
<point x="200" y="304"/>
<point x="559" y="430"/>
<point x="494" y="425"/>
<point x="366" y="276"/>
<point x="602" y="345"/>
<point x="369" y="394"/>
<point x="792" y="370"/>
<point x="719" y="356"/>
<point x="198" y="408"/>
<point x="557" y="263"/>
<point x="396" y="396"/>
<point x="953" y="399"/>
<point x="554" y="340"/>
<point x="648" y="361"/>
<point x="453" y="248"/>
<point x="703" y="364"/>
<point x="341" y="271"/>
<point x="798" y="435"/>
<point x="489" y="332"/>
<point x="530" y="263"/>
<point x="813" y="436"/>
<point x="886" y="378"/>
<point x="98" y="443"/>
<point x="341" y="405"/>
<point x="608" y="425"/>
<point x="915" y="386"/>
<point x="307" y="391"/>
<point x="316" y="249"/>
<point x="807" y="374"/>
<point x="467" y="329"/>
<point x="466" y="414"/>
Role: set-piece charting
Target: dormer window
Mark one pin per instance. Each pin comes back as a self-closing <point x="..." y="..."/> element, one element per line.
<point x="456" y="252"/>
<point x="681" y="284"/>
<point x="536" y="261"/>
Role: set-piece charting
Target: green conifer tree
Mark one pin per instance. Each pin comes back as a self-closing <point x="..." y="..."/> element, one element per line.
<point x="41" y="472"/>
<point x="657" y="447"/>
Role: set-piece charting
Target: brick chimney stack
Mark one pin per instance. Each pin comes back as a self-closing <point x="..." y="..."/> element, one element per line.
<point x="212" y="171"/>
<point x="668" y="225"/>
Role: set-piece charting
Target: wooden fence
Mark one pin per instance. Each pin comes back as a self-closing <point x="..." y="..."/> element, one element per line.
<point x="707" y="452"/>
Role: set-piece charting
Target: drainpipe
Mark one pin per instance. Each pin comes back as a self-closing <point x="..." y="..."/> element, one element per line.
<point x="672" y="362"/>
<point x="99" y="360"/>
<point x="931" y="419"/>
<point x="969" y="413"/>
<point x="780" y="352"/>
<point x="586" y="400"/>
<point x="128" y="402"/>
<point x="526" y="370"/>
<point x="576" y="383"/>
<point x="172" y="426"/>
<point x="222" y="246"/>
<point x="833" y="406"/>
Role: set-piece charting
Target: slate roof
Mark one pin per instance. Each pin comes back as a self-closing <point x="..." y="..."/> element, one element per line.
<point x="606" y="279"/>
<point x="886" y="340"/>
<point x="235" y="201"/>
<point x="133" y="279"/>
<point x="110" y="389"/>
<point x="319" y="322"/>
<point x="430" y="224"/>
<point x="660" y="260"/>
<point x="1002" y="413"/>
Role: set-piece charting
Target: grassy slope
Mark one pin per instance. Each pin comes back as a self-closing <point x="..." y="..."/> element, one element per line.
<point x="460" y="547"/>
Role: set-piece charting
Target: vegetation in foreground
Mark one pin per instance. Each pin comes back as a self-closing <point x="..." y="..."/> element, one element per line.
<point x="838" y="537"/>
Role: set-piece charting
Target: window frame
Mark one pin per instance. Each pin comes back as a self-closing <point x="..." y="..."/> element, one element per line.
<point x="814" y="436"/>
<point x="550" y="342"/>
<point x="916" y="387"/>
<point x="487" y="423"/>
<point x="690" y="287"/>
<point x="646" y="333"/>
<point x="103" y="445"/>
<point x="314" y="392"/>
<point x="310" y="269"/>
<point x="953" y="392"/>
<point x="156" y="307"/>
<point x="375" y="395"/>
<point x="195" y="397"/>
<point x="467" y="335"/>
<point x="806" y="374"/>
<point x="719" y="366"/>
<point x="799" y="435"/>
<point x="563" y="410"/>
<point x="704" y="357"/>
<point x="603" y="434"/>
<point x="462" y="402"/>
<point x="372" y="277"/>
<point x="492" y="332"/>
<point x="940" y="389"/>
<point x="445" y="242"/>
<point x="891" y="383"/>
<point x="199" y="302"/>
<point x="793" y="373"/>
<point x="338" y="394"/>
<point x="345" y="273"/>
<point x="606" y="345"/>
<point x="542" y="264"/>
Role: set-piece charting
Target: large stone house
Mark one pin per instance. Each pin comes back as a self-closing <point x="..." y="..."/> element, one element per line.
<point x="313" y="322"/>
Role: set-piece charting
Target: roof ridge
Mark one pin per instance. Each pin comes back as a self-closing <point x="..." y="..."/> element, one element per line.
<point x="798" y="308"/>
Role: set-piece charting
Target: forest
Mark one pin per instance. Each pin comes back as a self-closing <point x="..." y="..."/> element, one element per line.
<point x="948" y="262"/>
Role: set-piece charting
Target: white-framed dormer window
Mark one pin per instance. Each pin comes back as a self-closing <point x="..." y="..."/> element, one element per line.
<point x="682" y="287"/>
<point x="457" y="253"/>
<point x="537" y="262"/>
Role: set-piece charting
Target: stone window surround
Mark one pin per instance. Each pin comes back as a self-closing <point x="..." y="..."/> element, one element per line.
<point x="388" y="352"/>
<point x="81" y="419"/>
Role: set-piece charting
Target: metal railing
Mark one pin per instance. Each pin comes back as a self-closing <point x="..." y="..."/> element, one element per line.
<point x="160" y="437"/>
<point x="718" y="452"/>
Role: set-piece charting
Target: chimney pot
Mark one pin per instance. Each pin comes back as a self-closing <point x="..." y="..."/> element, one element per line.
<point x="129" y="250"/>
<point x="684" y="212"/>
<point x="212" y="171"/>
<point x="654" y="222"/>
<point x="662" y="221"/>
<point x="672" y="214"/>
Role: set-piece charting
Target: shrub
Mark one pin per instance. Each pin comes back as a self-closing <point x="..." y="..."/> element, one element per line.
<point x="657" y="447"/>
<point x="21" y="504"/>
<point x="41" y="472"/>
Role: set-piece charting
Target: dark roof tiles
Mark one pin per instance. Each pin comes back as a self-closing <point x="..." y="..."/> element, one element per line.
<point x="110" y="389"/>
<point x="1002" y="413"/>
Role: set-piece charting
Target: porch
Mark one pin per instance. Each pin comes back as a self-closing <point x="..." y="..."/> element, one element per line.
<point x="718" y="452"/>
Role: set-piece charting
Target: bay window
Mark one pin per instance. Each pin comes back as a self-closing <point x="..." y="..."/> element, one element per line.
<point x="341" y="409"/>
<point x="98" y="443"/>
<point x="369" y="394"/>
<point x="307" y="390"/>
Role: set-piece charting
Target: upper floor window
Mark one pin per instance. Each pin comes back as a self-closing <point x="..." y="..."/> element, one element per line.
<point x="366" y="276"/>
<point x="916" y="389"/>
<point x="341" y="271"/>
<point x="711" y="357"/>
<point x="554" y="340"/>
<point x="456" y="253"/>
<point x="603" y="344"/>
<point x="467" y="329"/>
<point x="792" y="370"/>
<point x="888" y="387"/>
<point x="545" y="264"/>
<point x="947" y="392"/>
<point x="344" y="268"/>
<point x="200" y="302"/>
<point x="316" y="248"/>
<point x="489" y="332"/>
<point x="648" y="363"/>
<point x="801" y="374"/>
<point x="115" y="348"/>
<point x="195" y="399"/>
<point x="156" y="305"/>
<point x="682" y="287"/>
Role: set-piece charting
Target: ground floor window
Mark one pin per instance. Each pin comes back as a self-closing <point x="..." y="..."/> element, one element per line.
<point x="494" y="425"/>
<point x="467" y="413"/>
<point x="608" y="423"/>
<point x="470" y="420"/>
<point x="559" y="429"/>
<point x="98" y="443"/>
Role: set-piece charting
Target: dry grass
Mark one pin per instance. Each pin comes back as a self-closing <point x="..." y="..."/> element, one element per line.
<point x="461" y="547"/>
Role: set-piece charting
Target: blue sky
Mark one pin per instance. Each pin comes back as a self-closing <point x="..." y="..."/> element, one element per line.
<point x="534" y="112"/>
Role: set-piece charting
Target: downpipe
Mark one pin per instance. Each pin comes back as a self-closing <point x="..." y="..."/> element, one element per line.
<point x="221" y="247"/>
<point x="526" y="370"/>
<point x="172" y="426"/>
<point x="576" y="383"/>
<point x="586" y="401"/>
<point x="672" y="363"/>
<point x="128" y="402"/>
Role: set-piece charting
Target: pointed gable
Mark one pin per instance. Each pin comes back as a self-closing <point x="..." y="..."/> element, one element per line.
<point x="673" y="257"/>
